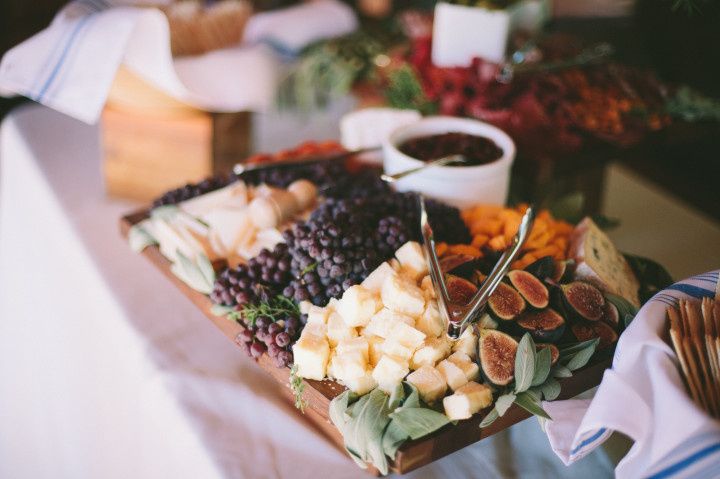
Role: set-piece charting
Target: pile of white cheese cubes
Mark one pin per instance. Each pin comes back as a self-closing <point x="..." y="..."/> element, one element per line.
<point x="386" y="327"/>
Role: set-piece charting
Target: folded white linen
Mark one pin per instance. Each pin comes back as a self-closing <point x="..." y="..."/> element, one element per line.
<point x="643" y="397"/>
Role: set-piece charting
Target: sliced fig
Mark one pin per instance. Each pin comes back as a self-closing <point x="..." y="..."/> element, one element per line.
<point x="584" y="299"/>
<point x="459" y="289"/>
<point x="585" y="331"/>
<point x="544" y="325"/>
<point x="542" y="268"/>
<point x="554" y="351"/>
<point x="611" y="315"/>
<point x="506" y="303"/>
<point x="530" y="288"/>
<point x="497" y="356"/>
<point x="462" y="265"/>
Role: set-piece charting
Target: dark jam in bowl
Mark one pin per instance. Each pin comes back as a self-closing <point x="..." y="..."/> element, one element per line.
<point x="477" y="150"/>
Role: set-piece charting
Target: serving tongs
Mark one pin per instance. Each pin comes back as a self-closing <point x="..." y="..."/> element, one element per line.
<point x="460" y="316"/>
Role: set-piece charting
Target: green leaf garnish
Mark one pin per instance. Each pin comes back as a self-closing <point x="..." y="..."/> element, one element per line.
<point x="524" y="363"/>
<point x="297" y="386"/>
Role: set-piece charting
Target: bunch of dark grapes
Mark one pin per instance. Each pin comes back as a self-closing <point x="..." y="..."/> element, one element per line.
<point x="192" y="190"/>
<point x="391" y="233"/>
<point x="261" y="278"/>
<point x="274" y="337"/>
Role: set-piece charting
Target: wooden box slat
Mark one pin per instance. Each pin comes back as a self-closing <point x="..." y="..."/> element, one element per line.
<point x="318" y="394"/>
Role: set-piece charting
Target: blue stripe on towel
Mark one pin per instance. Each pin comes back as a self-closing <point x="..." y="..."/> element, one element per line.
<point x="587" y="441"/>
<point x="687" y="462"/>
<point x="694" y="291"/>
<point x="61" y="60"/>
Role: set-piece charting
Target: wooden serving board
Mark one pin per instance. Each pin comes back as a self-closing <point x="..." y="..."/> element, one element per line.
<point x="318" y="394"/>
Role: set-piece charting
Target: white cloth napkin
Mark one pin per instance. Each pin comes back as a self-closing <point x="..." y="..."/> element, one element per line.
<point x="643" y="397"/>
<point x="70" y="65"/>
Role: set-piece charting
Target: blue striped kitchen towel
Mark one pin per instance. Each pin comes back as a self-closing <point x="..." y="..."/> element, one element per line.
<point x="644" y="398"/>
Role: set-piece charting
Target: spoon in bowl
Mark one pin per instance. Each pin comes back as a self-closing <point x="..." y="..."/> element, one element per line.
<point x="445" y="160"/>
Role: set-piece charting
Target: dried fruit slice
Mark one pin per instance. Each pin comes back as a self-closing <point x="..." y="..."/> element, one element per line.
<point x="545" y="325"/>
<point x="599" y="329"/>
<point x="584" y="299"/>
<point x="531" y="288"/>
<point x="506" y="303"/>
<point x="497" y="356"/>
<point x="459" y="289"/>
<point x="554" y="351"/>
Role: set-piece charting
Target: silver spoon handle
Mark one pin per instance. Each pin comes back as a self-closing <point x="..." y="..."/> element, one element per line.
<point x="445" y="160"/>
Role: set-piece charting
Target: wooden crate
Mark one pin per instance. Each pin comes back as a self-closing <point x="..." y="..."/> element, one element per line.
<point x="153" y="143"/>
<point x="318" y="394"/>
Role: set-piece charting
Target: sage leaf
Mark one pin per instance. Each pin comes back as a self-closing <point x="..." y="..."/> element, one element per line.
<point x="560" y="371"/>
<point x="365" y="429"/>
<point x="413" y="397"/>
<point x="206" y="268"/>
<point x="139" y="237"/>
<point x="220" y="310"/>
<point x="338" y="408"/>
<point x="394" y="437"/>
<point x="567" y="351"/>
<point x="626" y="310"/>
<point x="542" y="366"/>
<point x="165" y="213"/>
<point x="419" y="421"/>
<point x="490" y="418"/>
<point x="191" y="274"/>
<point x="581" y="358"/>
<point x="531" y="404"/>
<point x="396" y="397"/>
<point x="503" y="403"/>
<point x="551" y="389"/>
<point x="355" y="457"/>
<point x="524" y="363"/>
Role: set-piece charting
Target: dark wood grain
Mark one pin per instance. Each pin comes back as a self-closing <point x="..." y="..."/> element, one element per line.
<point x="318" y="394"/>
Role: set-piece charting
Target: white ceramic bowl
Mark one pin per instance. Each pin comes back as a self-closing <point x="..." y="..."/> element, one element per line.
<point x="460" y="186"/>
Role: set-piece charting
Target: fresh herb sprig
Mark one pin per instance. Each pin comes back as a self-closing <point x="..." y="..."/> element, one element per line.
<point x="297" y="386"/>
<point x="276" y="308"/>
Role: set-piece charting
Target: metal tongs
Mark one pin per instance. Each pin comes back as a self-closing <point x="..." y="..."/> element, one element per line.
<point x="460" y="316"/>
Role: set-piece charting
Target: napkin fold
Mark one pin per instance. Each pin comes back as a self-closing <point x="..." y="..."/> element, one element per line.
<point x="643" y="397"/>
<point x="71" y="65"/>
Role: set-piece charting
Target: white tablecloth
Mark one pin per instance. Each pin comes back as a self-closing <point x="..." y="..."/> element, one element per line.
<point x="106" y="370"/>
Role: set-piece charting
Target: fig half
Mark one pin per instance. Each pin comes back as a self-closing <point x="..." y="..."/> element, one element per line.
<point x="459" y="289"/>
<point x="584" y="299"/>
<point x="545" y="325"/>
<point x="611" y="315"/>
<point x="542" y="268"/>
<point x="599" y="329"/>
<point x="497" y="356"/>
<point x="554" y="351"/>
<point x="531" y="288"/>
<point x="506" y="303"/>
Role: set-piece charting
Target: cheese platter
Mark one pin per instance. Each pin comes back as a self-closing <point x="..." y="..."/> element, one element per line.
<point x="318" y="272"/>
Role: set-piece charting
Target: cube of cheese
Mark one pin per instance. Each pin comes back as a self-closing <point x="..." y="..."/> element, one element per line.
<point x="430" y="322"/>
<point x="406" y="335"/>
<point x="427" y="287"/>
<point x="454" y="376"/>
<point x="317" y="314"/>
<point x="412" y="259"/>
<point x="402" y="295"/>
<point x="357" y="306"/>
<point x="311" y="355"/>
<point x="375" y="280"/>
<point x="430" y="352"/>
<point x="389" y="372"/>
<point x="429" y="382"/>
<point x="394" y="264"/>
<point x="359" y="344"/>
<point x="382" y="322"/>
<point x="394" y="347"/>
<point x="468" y="366"/>
<point x="375" y="350"/>
<point x="467" y="343"/>
<point x="467" y="401"/>
<point x="362" y="384"/>
<point x="315" y="329"/>
<point x="349" y="365"/>
<point x="337" y="329"/>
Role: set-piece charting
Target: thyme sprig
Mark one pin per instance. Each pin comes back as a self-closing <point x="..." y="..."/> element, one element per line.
<point x="297" y="386"/>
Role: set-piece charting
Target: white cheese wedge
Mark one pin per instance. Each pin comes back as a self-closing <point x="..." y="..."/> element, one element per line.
<point x="375" y="280"/>
<point x="235" y="195"/>
<point x="412" y="259"/>
<point x="431" y="351"/>
<point x="357" y="306"/>
<point x="394" y="347"/>
<point x="337" y="329"/>
<point x="311" y="354"/>
<point x="362" y="384"/>
<point x="353" y="345"/>
<point x="406" y="335"/>
<point x="430" y="322"/>
<point x="349" y="365"/>
<point x="467" y="343"/>
<point x="454" y="376"/>
<point x="390" y="372"/>
<point x="375" y="349"/>
<point x="403" y="296"/>
<point x="317" y="314"/>
<point x="468" y="366"/>
<point x="467" y="400"/>
<point x="382" y="322"/>
<point x="231" y="226"/>
<point x="429" y="382"/>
